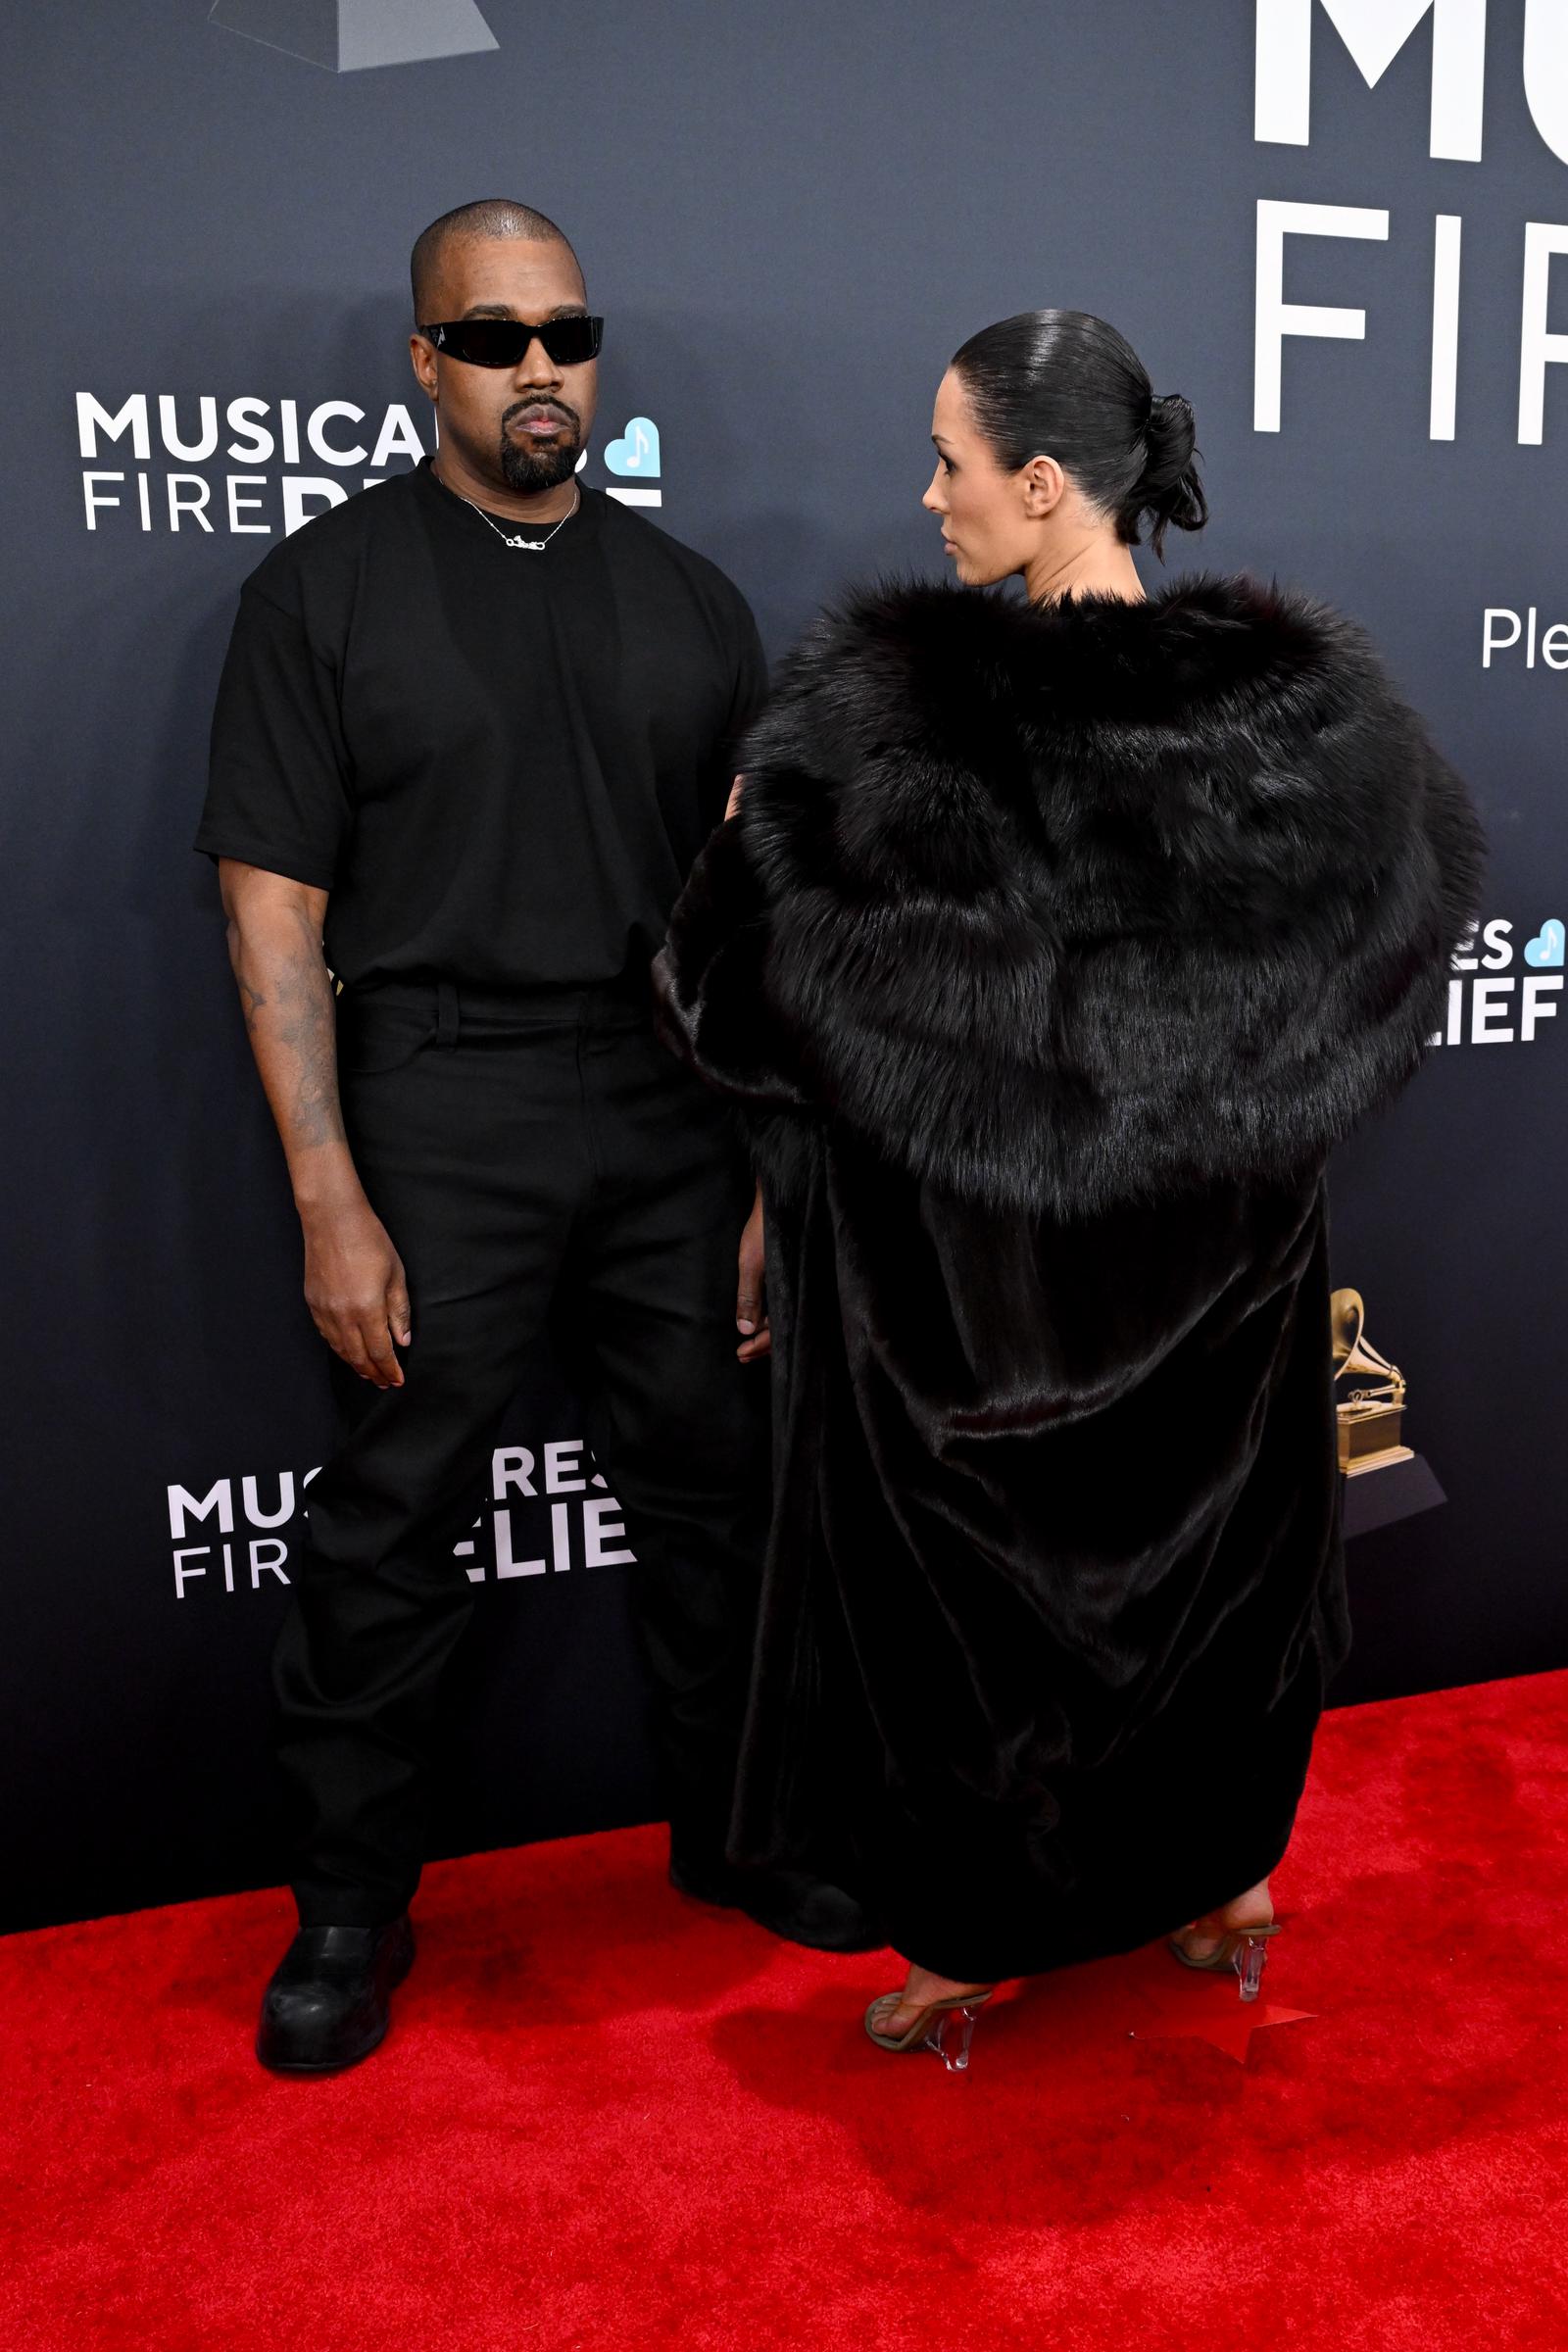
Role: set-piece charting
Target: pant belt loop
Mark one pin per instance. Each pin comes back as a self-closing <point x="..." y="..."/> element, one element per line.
<point x="446" y="1013"/>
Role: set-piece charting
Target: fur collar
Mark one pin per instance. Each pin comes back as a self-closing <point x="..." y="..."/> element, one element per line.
<point x="1100" y="900"/>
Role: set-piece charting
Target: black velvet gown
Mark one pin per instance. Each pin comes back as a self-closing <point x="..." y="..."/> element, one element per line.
<point x="1049" y="954"/>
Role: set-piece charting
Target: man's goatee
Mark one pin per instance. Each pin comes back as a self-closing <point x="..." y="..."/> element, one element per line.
<point x="531" y="471"/>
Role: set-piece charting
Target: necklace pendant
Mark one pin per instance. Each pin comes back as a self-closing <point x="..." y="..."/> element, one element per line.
<point x="532" y="547"/>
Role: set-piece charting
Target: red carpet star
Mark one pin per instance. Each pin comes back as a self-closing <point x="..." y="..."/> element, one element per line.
<point x="1212" y="2013"/>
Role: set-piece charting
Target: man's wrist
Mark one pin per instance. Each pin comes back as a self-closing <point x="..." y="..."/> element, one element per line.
<point x="325" y="1183"/>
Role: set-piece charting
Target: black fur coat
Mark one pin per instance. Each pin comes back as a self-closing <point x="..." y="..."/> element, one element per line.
<point x="1051" y="949"/>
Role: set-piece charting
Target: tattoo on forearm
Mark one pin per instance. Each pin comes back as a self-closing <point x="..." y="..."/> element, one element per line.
<point x="297" y="1047"/>
<point x="312" y="1033"/>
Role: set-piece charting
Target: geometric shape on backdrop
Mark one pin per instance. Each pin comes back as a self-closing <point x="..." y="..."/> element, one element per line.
<point x="1397" y="1493"/>
<point x="637" y="449"/>
<point x="348" y="35"/>
<point x="1547" y="945"/>
<point x="305" y="29"/>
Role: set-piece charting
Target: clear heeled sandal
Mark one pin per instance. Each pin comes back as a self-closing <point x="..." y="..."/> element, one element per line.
<point x="945" y="2027"/>
<point x="1244" y="1949"/>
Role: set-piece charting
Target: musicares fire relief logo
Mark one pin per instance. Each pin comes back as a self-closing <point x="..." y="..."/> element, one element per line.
<point x="1495" y="1001"/>
<point x="541" y="1519"/>
<point x="175" y="456"/>
<point x="1527" y="64"/>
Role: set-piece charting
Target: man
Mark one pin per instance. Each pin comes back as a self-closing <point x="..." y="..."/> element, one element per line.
<point x="473" y="728"/>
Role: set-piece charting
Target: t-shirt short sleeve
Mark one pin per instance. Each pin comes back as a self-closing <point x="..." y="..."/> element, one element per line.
<point x="278" y="791"/>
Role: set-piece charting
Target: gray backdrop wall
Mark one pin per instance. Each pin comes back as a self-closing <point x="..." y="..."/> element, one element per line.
<point x="790" y="217"/>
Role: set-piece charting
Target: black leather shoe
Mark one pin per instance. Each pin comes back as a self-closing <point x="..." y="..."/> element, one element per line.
<point x="329" y="2000"/>
<point x="787" y="1902"/>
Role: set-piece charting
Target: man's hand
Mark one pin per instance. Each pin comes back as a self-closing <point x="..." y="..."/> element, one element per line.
<point x="356" y="1290"/>
<point x="750" y="1315"/>
<point x="734" y="797"/>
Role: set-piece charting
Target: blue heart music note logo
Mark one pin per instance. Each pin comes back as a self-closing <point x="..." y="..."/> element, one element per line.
<point x="637" y="451"/>
<point x="1547" y="945"/>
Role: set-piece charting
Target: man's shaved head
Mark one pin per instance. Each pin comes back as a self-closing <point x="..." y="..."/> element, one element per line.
<point x="469" y="223"/>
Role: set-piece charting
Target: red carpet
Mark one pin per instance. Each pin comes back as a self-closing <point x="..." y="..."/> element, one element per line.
<point x="609" y="2120"/>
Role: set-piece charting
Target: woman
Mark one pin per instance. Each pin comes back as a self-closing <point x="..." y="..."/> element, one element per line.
<point x="1054" y="944"/>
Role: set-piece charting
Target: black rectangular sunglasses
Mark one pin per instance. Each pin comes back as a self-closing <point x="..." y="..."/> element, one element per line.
<point x="501" y="342"/>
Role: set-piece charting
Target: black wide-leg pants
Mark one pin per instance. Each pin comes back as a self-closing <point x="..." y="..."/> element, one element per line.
<point x="537" y="1159"/>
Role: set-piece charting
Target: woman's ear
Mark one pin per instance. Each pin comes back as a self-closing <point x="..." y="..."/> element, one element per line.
<point x="1042" y="484"/>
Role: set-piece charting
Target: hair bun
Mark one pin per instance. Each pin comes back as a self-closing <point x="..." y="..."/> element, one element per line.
<point x="1168" y="488"/>
<point x="1169" y="435"/>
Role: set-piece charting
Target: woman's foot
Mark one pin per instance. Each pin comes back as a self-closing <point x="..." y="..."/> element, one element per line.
<point x="921" y="1988"/>
<point x="1254" y="1909"/>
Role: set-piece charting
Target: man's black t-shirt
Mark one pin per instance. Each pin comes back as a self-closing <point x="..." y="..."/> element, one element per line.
<point x="501" y="765"/>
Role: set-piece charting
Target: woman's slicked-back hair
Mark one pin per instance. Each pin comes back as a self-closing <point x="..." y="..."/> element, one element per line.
<point x="1064" y="384"/>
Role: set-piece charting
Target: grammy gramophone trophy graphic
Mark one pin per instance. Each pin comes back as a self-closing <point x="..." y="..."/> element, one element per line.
<point x="1370" y="1412"/>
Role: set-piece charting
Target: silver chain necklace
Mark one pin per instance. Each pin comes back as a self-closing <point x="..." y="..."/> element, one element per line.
<point x="533" y="546"/>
